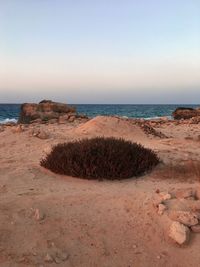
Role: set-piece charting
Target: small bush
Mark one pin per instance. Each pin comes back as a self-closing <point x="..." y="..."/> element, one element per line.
<point x="100" y="158"/>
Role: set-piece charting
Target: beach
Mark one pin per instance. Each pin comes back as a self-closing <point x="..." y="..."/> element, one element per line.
<point x="53" y="220"/>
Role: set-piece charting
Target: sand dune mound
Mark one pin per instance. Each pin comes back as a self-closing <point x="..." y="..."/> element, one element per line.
<point x="111" y="126"/>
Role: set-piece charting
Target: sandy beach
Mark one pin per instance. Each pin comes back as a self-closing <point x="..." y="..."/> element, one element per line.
<point x="53" y="220"/>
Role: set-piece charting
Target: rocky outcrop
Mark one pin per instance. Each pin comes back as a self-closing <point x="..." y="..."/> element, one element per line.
<point x="47" y="111"/>
<point x="185" y="113"/>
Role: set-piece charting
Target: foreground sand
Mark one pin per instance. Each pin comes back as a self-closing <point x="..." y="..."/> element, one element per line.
<point x="90" y="223"/>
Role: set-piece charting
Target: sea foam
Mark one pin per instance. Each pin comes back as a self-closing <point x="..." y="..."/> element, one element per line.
<point x="8" y="121"/>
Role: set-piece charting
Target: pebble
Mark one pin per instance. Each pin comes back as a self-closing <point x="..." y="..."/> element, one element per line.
<point x="48" y="258"/>
<point x="39" y="215"/>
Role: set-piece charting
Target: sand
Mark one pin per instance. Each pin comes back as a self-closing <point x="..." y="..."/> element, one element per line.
<point x="53" y="220"/>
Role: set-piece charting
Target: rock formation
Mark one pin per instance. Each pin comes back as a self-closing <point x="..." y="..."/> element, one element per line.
<point x="185" y="113"/>
<point x="47" y="111"/>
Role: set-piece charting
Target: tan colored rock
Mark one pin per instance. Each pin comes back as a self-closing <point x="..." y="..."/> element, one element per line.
<point x="179" y="233"/>
<point x="48" y="258"/>
<point x="196" y="228"/>
<point x="47" y="149"/>
<point x="161" y="209"/>
<point x="195" y="205"/>
<point x="43" y="135"/>
<point x="160" y="197"/>
<point x="39" y="133"/>
<point x="52" y="121"/>
<point x="185" y="217"/>
<point x="63" y="119"/>
<point x="18" y="129"/>
<point x="71" y="119"/>
<point x="165" y="196"/>
<point x="197" y="193"/>
<point x="39" y="215"/>
<point x="45" y="110"/>
<point x="184" y="193"/>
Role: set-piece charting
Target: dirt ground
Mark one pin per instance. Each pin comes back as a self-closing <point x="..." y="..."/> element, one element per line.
<point x="52" y="220"/>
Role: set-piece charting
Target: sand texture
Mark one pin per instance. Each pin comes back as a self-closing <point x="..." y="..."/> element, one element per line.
<point x="52" y="220"/>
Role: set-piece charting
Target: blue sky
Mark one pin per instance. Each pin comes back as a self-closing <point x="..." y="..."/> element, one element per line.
<point x="144" y="51"/>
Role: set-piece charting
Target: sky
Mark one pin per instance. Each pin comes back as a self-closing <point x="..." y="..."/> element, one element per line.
<point x="100" y="51"/>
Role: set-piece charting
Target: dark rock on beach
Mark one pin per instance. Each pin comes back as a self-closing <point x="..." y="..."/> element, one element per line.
<point x="47" y="111"/>
<point x="185" y="113"/>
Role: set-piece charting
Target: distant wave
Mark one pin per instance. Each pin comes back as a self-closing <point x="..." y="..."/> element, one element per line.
<point x="8" y="120"/>
<point x="158" y="117"/>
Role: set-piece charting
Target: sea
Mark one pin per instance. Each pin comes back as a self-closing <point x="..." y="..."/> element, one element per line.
<point x="10" y="112"/>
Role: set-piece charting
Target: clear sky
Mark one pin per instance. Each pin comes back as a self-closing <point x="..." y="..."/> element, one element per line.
<point x="100" y="51"/>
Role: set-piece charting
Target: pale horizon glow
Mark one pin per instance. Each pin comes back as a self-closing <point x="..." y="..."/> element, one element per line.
<point x="100" y="51"/>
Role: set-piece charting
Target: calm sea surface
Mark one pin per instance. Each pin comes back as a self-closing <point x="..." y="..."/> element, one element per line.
<point x="10" y="112"/>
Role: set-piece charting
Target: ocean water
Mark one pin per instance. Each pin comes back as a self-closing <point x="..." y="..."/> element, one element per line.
<point x="10" y="112"/>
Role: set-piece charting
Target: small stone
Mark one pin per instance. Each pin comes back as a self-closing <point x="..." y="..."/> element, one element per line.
<point x="165" y="196"/>
<point x="1" y="129"/>
<point x="18" y="129"/>
<point x="196" y="228"/>
<point x="185" y="217"/>
<point x="184" y="193"/>
<point x="63" y="255"/>
<point x="195" y="205"/>
<point x="71" y="119"/>
<point x="161" y="209"/>
<point x="42" y="135"/>
<point x="179" y="233"/>
<point x="48" y="258"/>
<point x="39" y="215"/>
<point x="60" y="256"/>
<point x="39" y="133"/>
<point x="159" y="198"/>
<point x="197" y="193"/>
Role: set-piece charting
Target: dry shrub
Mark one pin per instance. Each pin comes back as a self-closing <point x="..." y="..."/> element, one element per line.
<point x="99" y="158"/>
<point x="185" y="171"/>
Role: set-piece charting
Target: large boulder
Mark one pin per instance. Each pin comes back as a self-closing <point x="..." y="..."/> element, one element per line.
<point x="46" y="110"/>
<point x="185" y="113"/>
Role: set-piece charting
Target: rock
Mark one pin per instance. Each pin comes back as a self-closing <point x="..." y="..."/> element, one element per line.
<point x="71" y="119"/>
<point x="48" y="258"/>
<point x="39" y="215"/>
<point x="179" y="233"/>
<point x="1" y="128"/>
<point x="196" y="228"/>
<point x="185" y="217"/>
<point x="47" y="149"/>
<point x="185" y="113"/>
<point x="161" y="209"/>
<point x="160" y="197"/>
<point x="39" y="133"/>
<point x="52" y="121"/>
<point x="45" y="110"/>
<point x="61" y="256"/>
<point x="195" y="205"/>
<point x="165" y="196"/>
<point x="18" y="129"/>
<point x="63" y="119"/>
<point x="42" y="135"/>
<point x="184" y="193"/>
<point x="198" y="138"/>
<point x="197" y="193"/>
